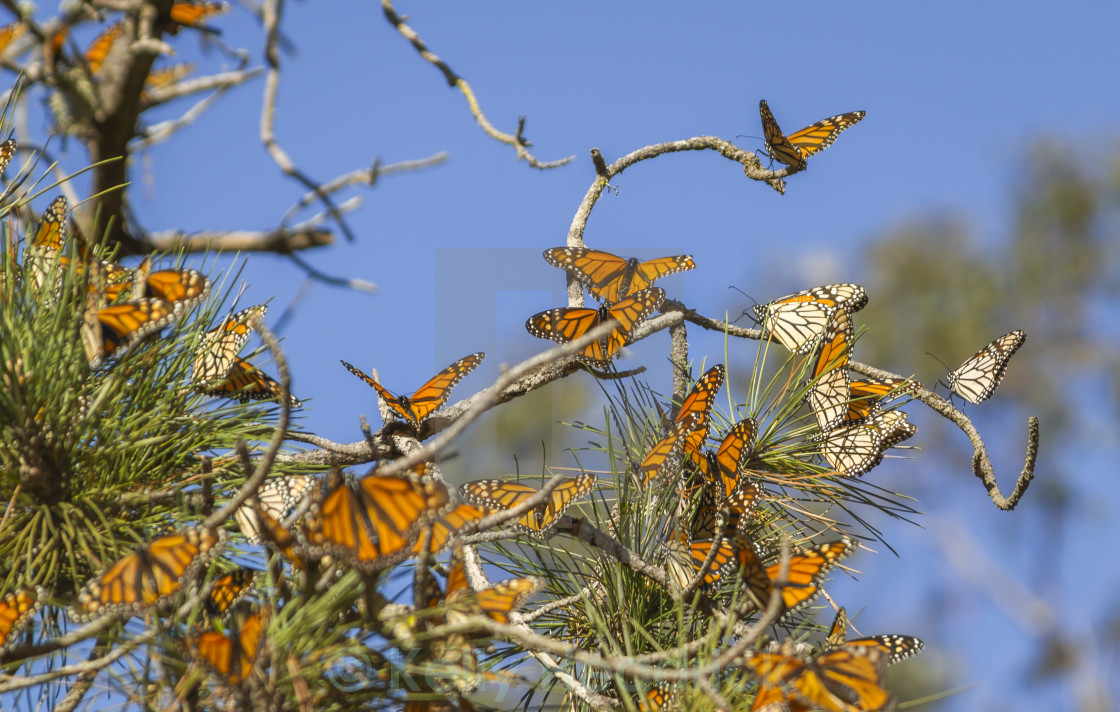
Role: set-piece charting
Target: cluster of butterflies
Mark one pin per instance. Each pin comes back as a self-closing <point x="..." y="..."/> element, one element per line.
<point x="369" y="525"/>
<point x="623" y="287"/>
<point x="183" y="14"/>
<point x="709" y="545"/>
<point x="844" y="675"/>
<point x="125" y="306"/>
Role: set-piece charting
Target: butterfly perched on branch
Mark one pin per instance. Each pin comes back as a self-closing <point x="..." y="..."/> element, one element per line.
<point x="794" y="149"/>
<point x="569" y="323"/>
<point x="977" y="378"/>
<point x="430" y="397"/>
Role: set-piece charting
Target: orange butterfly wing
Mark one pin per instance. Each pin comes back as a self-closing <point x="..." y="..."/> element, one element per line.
<point x="16" y="609"/>
<point x="99" y="49"/>
<point x="700" y="400"/>
<point x="567" y="323"/>
<point x="611" y="278"/>
<point x="246" y="382"/>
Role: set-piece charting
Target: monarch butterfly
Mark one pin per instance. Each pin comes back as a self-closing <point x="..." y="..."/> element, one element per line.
<point x="495" y="602"/>
<point x="281" y="539"/>
<point x="699" y="400"/>
<point x="663" y="450"/>
<point x="443" y="526"/>
<point x="976" y="379"/>
<point x="234" y="657"/>
<point x="166" y="76"/>
<point x="502" y="495"/>
<point x="215" y="354"/>
<point x="857" y="447"/>
<point x="792" y="150"/>
<point x="797" y="320"/>
<point x="806" y="574"/>
<point x="703" y="513"/>
<point x="431" y="396"/>
<point x="7" y="151"/>
<point x="11" y="33"/>
<point x="830" y="395"/>
<point x="568" y="323"/>
<point x="277" y="497"/>
<point x="721" y="468"/>
<point x="99" y="49"/>
<point x="182" y="288"/>
<point x="686" y="559"/>
<point x="844" y="680"/>
<point x="610" y="277"/>
<point x="190" y="14"/>
<point x="228" y="590"/>
<point x="897" y="647"/>
<point x="246" y="382"/>
<point x="122" y="325"/>
<point x="373" y="524"/>
<point x="736" y="510"/>
<point x="47" y="243"/>
<point x="148" y="576"/>
<point x="16" y="610"/>
<point x="658" y="696"/>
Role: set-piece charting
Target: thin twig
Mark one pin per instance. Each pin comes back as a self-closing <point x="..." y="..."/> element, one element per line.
<point x="454" y="80"/>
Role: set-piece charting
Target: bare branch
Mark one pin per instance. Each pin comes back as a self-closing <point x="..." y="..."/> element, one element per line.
<point x="281" y="241"/>
<point x="454" y="80"/>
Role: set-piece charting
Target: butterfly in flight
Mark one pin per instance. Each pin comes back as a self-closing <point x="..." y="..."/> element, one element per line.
<point x="611" y="278"/>
<point x="855" y="448"/>
<point x="569" y="323"/>
<point x="149" y="576"/>
<point x="976" y="379"/>
<point x="430" y="397"/>
<point x="794" y="149"/>
<point x="798" y="320"/>
<point x="499" y="495"/>
<point x="897" y="647"/>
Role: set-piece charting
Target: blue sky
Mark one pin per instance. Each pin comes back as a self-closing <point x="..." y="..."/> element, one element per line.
<point x="953" y="91"/>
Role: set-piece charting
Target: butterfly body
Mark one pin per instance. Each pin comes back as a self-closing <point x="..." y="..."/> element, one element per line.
<point x="569" y="323"/>
<point x="611" y="278"/>
<point x="794" y="149"/>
